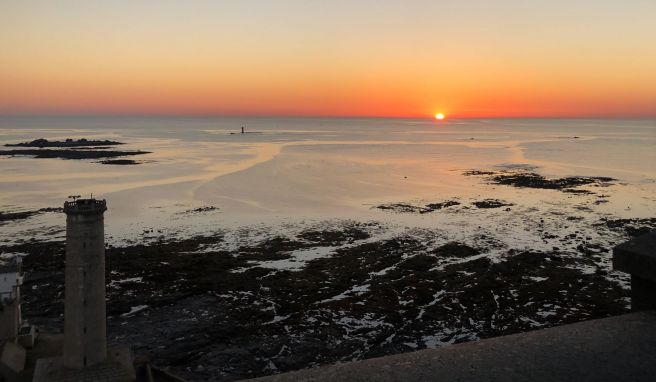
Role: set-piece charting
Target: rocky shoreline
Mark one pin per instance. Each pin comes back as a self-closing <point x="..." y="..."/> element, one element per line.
<point x="70" y="154"/>
<point x="83" y="142"/>
<point x="243" y="302"/>
<point x="73" y="149"/>
<point x="526" y="179"/>
<point x="208" y="312"/>
<point x="7" y="216"/>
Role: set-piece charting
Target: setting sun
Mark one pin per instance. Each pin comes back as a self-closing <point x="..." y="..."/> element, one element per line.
<point x="439" y="116"/>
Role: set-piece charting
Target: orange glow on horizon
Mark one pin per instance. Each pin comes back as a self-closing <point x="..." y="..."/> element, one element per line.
<point x="221" y="58"/>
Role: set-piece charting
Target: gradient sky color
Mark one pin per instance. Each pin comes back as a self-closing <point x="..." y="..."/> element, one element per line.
<point x="341" y="57"/>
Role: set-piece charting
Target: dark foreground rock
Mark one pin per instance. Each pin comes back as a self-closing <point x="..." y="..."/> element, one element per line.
<point x="200" y="210"/>
<point x="410" y="208"/>
<point x="9" y="216"/>
<point x="632" y="227"/>
<point x="122" y="162"/>
<point x="533" y="180"/>
<point x="70" y="154"/>
<point x="67" y="143"/>
<point x="19" y="215"/>
<point x="222" y="314"/>
<point x="491" y="203"/>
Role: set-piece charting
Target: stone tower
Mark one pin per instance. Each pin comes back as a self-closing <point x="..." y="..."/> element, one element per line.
<point x="85" y="327"/>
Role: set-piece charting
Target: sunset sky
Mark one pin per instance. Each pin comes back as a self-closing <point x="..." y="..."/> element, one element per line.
<point x="338" y="57"/>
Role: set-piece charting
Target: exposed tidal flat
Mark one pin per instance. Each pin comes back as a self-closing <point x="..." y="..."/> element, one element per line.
<point x="325" y="240"/>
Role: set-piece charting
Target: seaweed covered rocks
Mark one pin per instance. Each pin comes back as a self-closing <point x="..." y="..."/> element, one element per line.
<point x="526" y="179"/>
<point x="73" y="149"/>
<point x="83" y="142"/>
<point x="210" y="309"/>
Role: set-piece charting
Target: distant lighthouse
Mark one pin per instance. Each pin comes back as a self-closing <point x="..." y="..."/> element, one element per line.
<point x="85" y="327"/>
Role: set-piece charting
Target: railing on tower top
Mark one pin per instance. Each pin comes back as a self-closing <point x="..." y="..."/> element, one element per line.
<point x="85" y="205"/>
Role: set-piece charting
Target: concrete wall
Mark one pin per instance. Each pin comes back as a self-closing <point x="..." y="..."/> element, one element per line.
<point x="9" y="319"/>
<point x="13" y="356"/>
<point x="85" y="342"/>
<point x="8" y="281"/>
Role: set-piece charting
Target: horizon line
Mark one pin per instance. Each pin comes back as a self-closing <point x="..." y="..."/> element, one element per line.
<point x="323" y="116"/>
